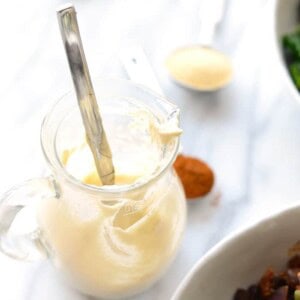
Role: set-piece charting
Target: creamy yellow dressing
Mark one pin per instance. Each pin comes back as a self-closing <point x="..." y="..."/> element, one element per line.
<point x="114" y="246"/>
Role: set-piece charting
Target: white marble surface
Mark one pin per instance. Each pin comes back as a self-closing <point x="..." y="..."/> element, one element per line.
<point x="248" y="132"/>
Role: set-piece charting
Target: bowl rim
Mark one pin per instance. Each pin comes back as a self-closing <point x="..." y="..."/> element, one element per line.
<point x="279" y="54"/>
<point x="227" y="241"/>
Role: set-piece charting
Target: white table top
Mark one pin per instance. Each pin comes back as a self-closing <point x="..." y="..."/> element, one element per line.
<point x="248" y="132"/>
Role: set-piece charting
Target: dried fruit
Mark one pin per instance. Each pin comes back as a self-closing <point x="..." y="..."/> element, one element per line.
<point x="275" y="285"/>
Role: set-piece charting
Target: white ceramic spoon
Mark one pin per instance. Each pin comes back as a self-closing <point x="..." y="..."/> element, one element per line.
<point x="138" y="67"/>
<point x="201" y="67"/>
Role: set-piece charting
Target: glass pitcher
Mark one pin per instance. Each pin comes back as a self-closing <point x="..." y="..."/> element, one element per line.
<point x="107" y="241"/>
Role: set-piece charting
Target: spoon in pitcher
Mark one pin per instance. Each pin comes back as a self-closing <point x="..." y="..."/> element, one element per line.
<point x="201" y="67"/>
<point x="87" y="102"/>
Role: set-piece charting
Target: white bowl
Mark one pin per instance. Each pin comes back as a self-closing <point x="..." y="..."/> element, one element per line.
<point x="239" y="260"/>
<point x="284" y="14"/>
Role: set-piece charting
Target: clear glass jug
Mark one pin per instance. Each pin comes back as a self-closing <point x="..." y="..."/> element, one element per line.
<point x="107" y="241"/>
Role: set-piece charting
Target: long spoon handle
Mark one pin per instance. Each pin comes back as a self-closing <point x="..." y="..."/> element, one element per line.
<point x="95" y="133"/>
<point x="138" y="67"/>
<point x="210" y="14"/>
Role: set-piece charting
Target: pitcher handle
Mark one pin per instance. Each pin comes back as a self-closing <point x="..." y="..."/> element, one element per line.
<point x="20" y="236"/>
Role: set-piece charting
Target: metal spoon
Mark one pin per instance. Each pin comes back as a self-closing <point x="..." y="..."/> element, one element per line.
<point x="200" y="67"/>
<point x="92" y="121"/>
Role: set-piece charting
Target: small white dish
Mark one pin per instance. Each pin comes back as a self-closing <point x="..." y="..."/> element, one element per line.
<point x="284" y="20"/>
<point x="240" y="259"/>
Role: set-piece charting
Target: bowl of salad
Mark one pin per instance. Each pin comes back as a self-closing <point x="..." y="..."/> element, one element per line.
<point x="286" y="21"/>
<point x="261" y="262"/>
